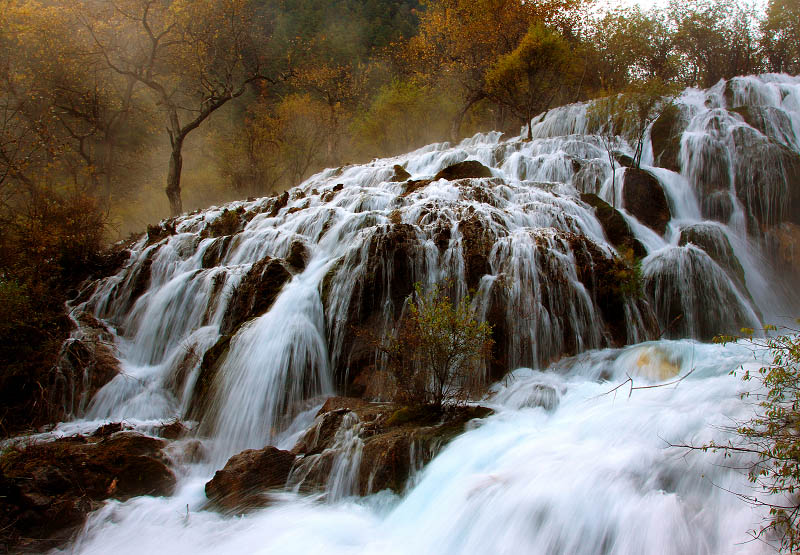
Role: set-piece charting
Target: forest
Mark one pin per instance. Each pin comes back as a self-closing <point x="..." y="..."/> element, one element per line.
<point x="285" y="275"/>
<point x="115" y="114"/>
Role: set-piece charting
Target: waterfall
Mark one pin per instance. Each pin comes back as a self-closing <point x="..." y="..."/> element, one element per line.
<point x="245" y="318"/>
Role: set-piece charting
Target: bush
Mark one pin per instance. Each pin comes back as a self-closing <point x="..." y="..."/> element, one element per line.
<point x="436" y="353"/>
<point x="773" y="434"/>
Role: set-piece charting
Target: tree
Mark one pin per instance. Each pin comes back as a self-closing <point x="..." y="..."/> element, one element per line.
<point x="716" y="39"/>
<point x="462" y="39"/>
<point x="193" y="56"/>
<point x="772" y="435"/>
<point x="780" y="31"/>
<point x="630" y="114"/>
<point x="629" y="44"/>
<point x="528" y="79"/>
<point x="435" y="353"/>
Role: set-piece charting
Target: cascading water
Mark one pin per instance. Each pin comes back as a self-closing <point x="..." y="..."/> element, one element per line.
<point x="244" y="319"/>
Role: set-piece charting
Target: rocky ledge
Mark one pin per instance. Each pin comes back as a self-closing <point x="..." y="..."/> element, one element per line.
<point x="373" y="446"/>
<point x="48" y="488"/>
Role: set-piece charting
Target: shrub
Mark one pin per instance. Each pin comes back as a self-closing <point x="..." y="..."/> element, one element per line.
<point x="773" y="434"/>
<point x="435" y="354"/>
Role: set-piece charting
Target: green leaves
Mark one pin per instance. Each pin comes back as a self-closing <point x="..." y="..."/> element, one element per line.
<point x="436" y="353"/>
<point x="773" y="433"/>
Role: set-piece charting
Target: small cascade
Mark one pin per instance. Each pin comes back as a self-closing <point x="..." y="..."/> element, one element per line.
<point x="337" y="465"/>
<point x="596" y="278"/>
<point x="236" y="316"/>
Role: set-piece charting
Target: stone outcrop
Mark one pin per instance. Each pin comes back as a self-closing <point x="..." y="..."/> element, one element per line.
<point x="87" y="362"/>
<point x="49" y="488"/>
<point x="396" y="441"/>
<point x="463" y="170"/>
<point x="400" y="174"/>
<point x="615" y="227"/>
<point x="643" y="197"/>
<point x="255" y="294"/>
<point x="713" y="240"/>
<point x="243" y="483"/>
<point x="666" y="138"/>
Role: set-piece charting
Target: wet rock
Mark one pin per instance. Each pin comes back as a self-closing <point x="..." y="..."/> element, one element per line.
<point x="415" y="185"/>
<point x="397" y="440"/>
<point x="713" y="240"/>
<point x="623" y="160"/>
<point x="255" y="294"/>
<point x="393" y="253"/>
<point x="244" y="482"/>
<point x="280" y="202"/>
<point x="718" y="206"/>
<point x="173" y="430"/>
<point x="49" y="488"/>
<point x="216" y="251"/>
<point x="615" y="227"/>
<point x="86" y="363"/>
<point x="694" y="297"/>
<point x="298" y="255"/>
<point x="767" y="180"/>
<point x="337" y="403"/>
<point x="400" y="174"/>
<point x="611" y="282"/>
<point x="709" y="165"/>
<point x="202" y="393"/>
<point x="229" y="222"/>
<point x="771" y="122"/>
<point x="156" y="233"/>
<point x="784" y="242"/>
<point x="666" y="138"/>
<point x="643" y="196"/>
<point x="463" y="170"/>
<point x="476" y="244"/>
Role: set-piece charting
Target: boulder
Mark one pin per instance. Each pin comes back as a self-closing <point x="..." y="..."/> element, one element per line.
<point x="49" y="488"/>
<point x="643" y="197"/>
<point x="665" y="136"/>
<point x="476" y="245"/>
<point x="617" y="230"/>
<point x="400" y="174"/>
<point x="255" y="294"/>
<point x="463" y="170"/>
<point x="298" y="255"/>
<point x="243" y="483"/>
<point x="156" y="233"/>
<point x="87" y="361"/>
<point x="229" y="222"/>
<point x="396" y="440"/>
<point x="713" y="240"/>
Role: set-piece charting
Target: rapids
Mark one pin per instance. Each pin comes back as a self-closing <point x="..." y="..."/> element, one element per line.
<point x="563" y="466"/>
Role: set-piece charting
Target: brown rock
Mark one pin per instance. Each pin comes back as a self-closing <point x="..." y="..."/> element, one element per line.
<point x="400" y="174"/>
<point x="257" y="291"/>
<point x="615" y="227"/>
<point x="476" y="243"/>
<point x="49" y="488"/>
<point x="666" y="138"/>
<point x="643" y="197"/>
<point x="463" y="170"/>
<point x="242" y="483"/>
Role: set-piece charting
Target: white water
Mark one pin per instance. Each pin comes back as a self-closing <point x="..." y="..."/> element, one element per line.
<point x="593" y="474"/>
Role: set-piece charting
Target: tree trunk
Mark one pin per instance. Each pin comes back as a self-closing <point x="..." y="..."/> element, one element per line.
<point x="455" y="131"/>
<point x="174" y="178"/>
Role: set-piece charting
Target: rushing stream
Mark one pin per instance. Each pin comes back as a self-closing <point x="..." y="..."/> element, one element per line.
<point x="566" y="464"/>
